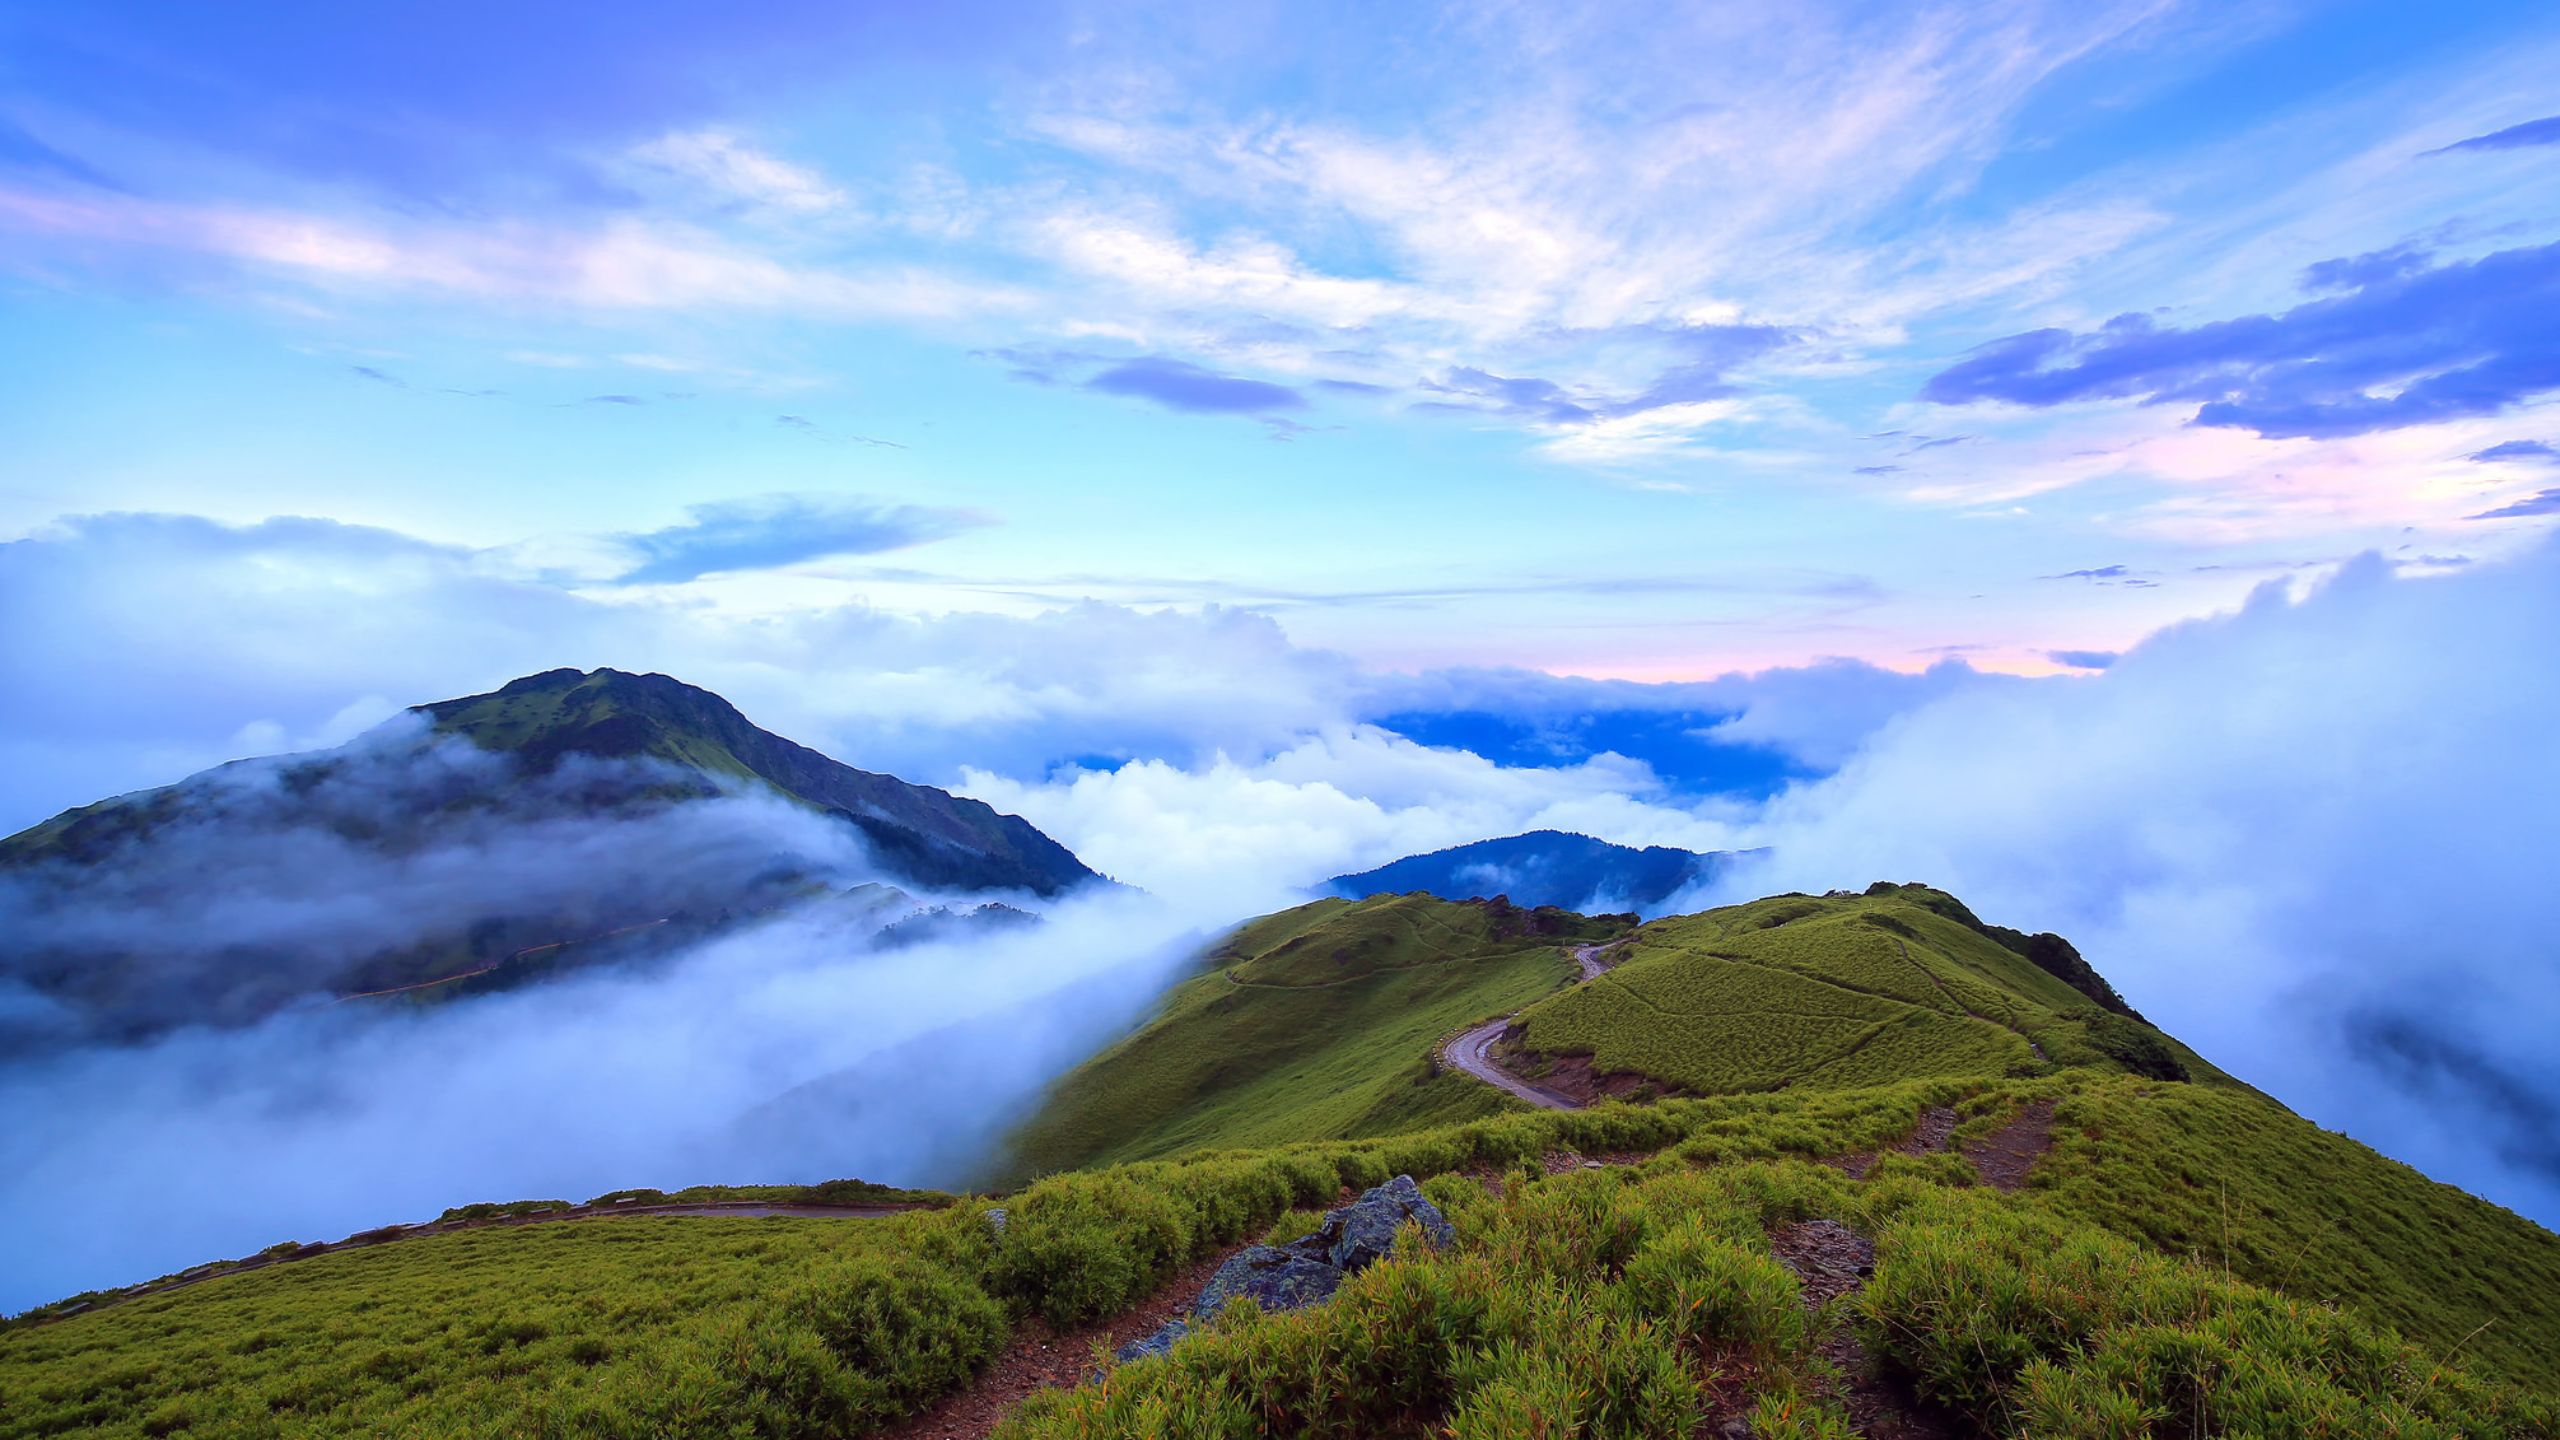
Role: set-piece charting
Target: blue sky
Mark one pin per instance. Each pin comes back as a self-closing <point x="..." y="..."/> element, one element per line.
<point x="1644" y="343"/>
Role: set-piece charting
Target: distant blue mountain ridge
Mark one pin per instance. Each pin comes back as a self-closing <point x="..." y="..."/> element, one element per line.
<point x="1544" y="867"/>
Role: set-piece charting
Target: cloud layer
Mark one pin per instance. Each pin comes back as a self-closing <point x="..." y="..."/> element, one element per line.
<point x="2309" y="837"/>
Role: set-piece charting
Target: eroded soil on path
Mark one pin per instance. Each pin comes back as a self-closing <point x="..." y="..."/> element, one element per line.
<point x="1041" y="1358"/>
<point x="1832" y="1261"/>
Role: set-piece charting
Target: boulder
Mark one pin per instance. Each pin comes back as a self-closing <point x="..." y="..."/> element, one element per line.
<point x="1307" y="1270"/>
<point x="1364" y="1231"/>
<point x="1147" y="1347"/>
<point x="1270" y="1277"/>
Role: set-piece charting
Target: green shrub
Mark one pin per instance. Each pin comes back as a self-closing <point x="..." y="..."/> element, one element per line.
<point x="1079" y="1247"/>
<point x="1707" y="1290"/>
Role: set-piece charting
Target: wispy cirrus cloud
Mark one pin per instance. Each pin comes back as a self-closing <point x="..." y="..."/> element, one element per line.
<point x="771" y="531"/>
<point x="625" y="264"/>
<point x="725" y="166"/>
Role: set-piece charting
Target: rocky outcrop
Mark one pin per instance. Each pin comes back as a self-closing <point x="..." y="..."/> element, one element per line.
<point x="1307" y="1270"/>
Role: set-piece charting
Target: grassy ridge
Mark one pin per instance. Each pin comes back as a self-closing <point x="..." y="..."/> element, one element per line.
<point x="1644" y="1304"/>
<point x="1835" y="991"/>
<point x="2028" y="1310"/>
<point x="2230" y="1179"/>
<point x="1316" y="1023"/>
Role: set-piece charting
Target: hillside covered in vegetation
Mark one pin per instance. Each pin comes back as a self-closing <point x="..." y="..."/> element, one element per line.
<point x="1972" y="1201"/>
<point x="1801" y="991"/>
<point x="1313" y="1024"/>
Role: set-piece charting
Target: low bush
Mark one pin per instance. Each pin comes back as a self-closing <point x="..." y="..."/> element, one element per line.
<point x="1079" y="1247"/>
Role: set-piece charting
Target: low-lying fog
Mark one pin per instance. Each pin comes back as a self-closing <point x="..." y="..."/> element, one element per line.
<point x="120" y="1164"/>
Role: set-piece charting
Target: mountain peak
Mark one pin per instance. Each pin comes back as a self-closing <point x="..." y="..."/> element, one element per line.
<point x="921" y="834"/>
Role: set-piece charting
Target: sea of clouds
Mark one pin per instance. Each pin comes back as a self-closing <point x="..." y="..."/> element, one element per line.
<point x="2311" y="836"/>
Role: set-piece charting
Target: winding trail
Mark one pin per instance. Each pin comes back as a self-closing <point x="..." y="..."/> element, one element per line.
<point x="1472" y="1050"/>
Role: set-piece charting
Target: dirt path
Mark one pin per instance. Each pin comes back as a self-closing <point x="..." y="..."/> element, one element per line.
<point x="387" y="1234"/>
<point x="1472" y="1052"/>
<point x="2003" y="1157"/>
<point x="1832" y="1261"/>
<point x="2000" y="1159"/>
<point x="1039" y="1358"/>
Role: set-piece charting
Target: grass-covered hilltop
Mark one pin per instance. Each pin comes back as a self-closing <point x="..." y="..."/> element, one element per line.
<point x="1810" y="1167"/>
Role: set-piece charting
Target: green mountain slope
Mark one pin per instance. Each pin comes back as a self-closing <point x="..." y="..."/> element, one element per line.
<point x="1797" y="991"/>
<point x="1315" y="1023"/>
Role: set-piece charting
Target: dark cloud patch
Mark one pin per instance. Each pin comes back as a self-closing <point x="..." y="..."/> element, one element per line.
<point x="1181" y="385"/>
<point x="379" y="377"/>
<point x="613" y="400"/>
<point x="1352" y="387"/>
<point x="2102" y="572"/>
<point x="776" y="530"/>
<point x="2523" y="1120"/>
<point x="2394" y="345"/>
<point x="2083" y="659"/>
<point x="2354" y="272"/>
<point x="2515" y="450"/>
<point x="1877" y="470"/>
<point x="2546" y="503"/>
<point x="2545" y="131"/>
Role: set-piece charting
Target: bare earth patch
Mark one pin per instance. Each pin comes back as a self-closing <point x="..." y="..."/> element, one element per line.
<point x="1040" y="1358"/>
<point x="2003" y="1157"/>
<point x="1830" y="1260"/>
<point x="1929" y="1135"/>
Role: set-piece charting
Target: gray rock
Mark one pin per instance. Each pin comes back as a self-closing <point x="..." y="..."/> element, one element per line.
<point x="1364" y="1231"/>
<point x="995" y="1221"/>
<point x="1270" y="1277"/>
<point x="1307" y="1270"/>
<point x="1147" y="1347"/>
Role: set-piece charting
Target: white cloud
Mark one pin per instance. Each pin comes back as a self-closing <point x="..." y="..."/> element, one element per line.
<point x="723" y="163"/>
<point x="760" y="1057"/>
<point x="627" y="263"/>
<point x="1344" y="800"/>
<point x="2286" y="834"/>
